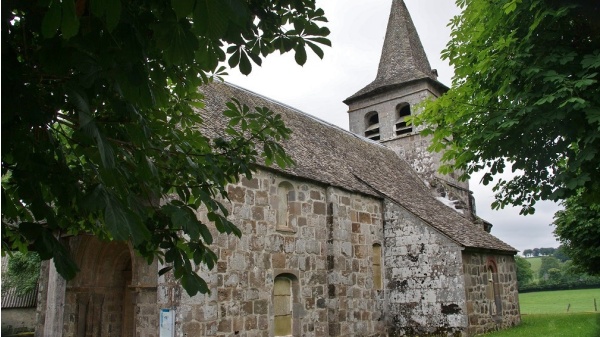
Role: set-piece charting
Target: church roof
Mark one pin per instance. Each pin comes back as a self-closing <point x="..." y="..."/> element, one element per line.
<point x="403" y="59"/>
<point x="330" y="155"/>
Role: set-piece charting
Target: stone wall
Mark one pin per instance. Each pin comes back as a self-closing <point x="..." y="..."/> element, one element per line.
<point x="17" y="320"/>
<point x="424" y="278"/>
<point x="325" y="252"/>
<point x="491" y="291"/>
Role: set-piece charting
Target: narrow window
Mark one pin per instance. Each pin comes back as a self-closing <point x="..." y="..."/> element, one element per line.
<point x="402" y="112"/>
<point x="285" y="194"/>
<point x="493" y="290"/>
<point x="377" y="279"/>
<point x="282" y="306"/>
<point x="372" y="125"/>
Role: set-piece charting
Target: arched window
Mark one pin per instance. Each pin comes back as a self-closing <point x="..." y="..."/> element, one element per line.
<point x="282" y="306"/>
<point x="402" y="112"/>
<point x="372" y="125"/>
<point x="285" y="194"/>
<point x="493" y="289"/>
<point x="377" y="278"/>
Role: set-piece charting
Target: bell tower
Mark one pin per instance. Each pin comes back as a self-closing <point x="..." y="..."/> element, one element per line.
<point x="379" y="111"/>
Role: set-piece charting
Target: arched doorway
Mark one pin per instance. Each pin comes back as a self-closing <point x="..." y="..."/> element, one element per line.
<point x="99" y="301"/>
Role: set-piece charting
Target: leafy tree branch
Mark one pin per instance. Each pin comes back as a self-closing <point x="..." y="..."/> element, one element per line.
<point x="100" y="120"/>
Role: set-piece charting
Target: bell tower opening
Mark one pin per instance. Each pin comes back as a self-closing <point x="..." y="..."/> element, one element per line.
<point x="402" y="112"/>
<point x="372" y="126"/>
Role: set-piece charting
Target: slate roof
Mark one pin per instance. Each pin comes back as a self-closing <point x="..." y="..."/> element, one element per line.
<point x="333" y="156"/>
<point x="403" y="59"/>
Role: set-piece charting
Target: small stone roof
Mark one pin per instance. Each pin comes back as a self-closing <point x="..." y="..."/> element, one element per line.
<point x="403" y="59"/>
<point x="10" y="299"/>
<point x="328" y="154"/>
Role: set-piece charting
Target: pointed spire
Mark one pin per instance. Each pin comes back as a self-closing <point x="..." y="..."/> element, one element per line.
<point x="403" y="58"/>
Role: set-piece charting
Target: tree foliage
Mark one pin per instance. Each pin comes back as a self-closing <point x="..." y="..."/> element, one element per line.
<point x="99" y="130"/>
<point x="560" y="254"/>
<point x="22" y="272"/>
<point x="524" y="271"/>
<point x="548" y="262"/>
<point x="525" y="97"/>
<point x="578" y="230"/>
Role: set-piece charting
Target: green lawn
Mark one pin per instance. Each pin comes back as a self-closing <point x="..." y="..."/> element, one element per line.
<point x="554" y="325"/>
<point x="555" y="302"/>
<point x="545" y="314"/>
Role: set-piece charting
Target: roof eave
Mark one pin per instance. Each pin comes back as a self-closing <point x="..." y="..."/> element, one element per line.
<point x="393" y="86"/>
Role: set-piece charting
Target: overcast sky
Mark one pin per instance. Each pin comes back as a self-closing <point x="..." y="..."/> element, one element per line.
<point x="357" y="32"/>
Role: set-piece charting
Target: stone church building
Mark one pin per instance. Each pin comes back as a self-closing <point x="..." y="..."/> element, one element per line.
<point x="360" y="238"/>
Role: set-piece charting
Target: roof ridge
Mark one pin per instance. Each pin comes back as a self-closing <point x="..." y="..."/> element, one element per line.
<point x="315" y="118"/>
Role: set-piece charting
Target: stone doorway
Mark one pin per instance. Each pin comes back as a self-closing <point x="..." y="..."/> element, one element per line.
<point x="99" y="301"/>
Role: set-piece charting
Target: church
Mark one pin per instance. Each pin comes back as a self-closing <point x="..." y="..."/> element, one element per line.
<point x="362" y="237"/>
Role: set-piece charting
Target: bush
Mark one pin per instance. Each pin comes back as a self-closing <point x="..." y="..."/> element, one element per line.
<point x="584" y="283"/>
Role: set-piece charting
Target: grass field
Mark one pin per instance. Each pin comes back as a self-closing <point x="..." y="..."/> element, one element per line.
<point x="556" y="302"/>
<point x="554" y="325"/>
<point x="545" y="314"/>
<point x="536" y="264"/>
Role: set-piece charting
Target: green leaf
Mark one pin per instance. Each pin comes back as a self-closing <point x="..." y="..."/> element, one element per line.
<point x="164" y="270"/>
<point x="205" y="232"/>
<point x="300" y="55"/>
<point x="185" y="218"/>
<point x="245" y="66"/>
<point x="70" y="21"/>
<point x="63" y="262"/>
<point x="113" y="14"/>
<point x="116" y="220"/>
<point x="211" y="17"/>
<point x="97" y="7"/>
<point x="320" y="40"/>
<point x="315" y="49"/>
<point x="52" y="19"/>
<point x="234" y="59"/>
<point x="593" y="116"/>
<point x="183" y="7"/>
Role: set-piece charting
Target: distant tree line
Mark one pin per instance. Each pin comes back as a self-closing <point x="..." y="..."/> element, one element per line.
<point x="557" y="271"/>
<point x="539" y="252"/>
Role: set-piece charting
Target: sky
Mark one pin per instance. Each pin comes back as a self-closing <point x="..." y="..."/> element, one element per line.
<point x="357" y="33"/>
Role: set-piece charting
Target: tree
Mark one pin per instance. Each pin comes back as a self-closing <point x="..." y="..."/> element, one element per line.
<point x="554" y="275"/>
<point x="578" y="230"/>
<point x="527" y="252"/>
<point x="525" y="97"/>
<point x="22" y="272"/>
<point x="99" y="130"/>
<point x="547" y="251"/>
<point x="548" y="262"/>
<point x="536" y="252"/>
<point x="524" y="272"/>
<point x="560" y="254"/>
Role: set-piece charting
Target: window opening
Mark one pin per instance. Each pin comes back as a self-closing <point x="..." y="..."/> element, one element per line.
<point x="282" y="305"/>
<point x="285" y="194"/>
<point x="494" y="291"/>
<point x="402" y="112"/>
<point x="377" y="278"/>
<point x="372" y="126"/>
